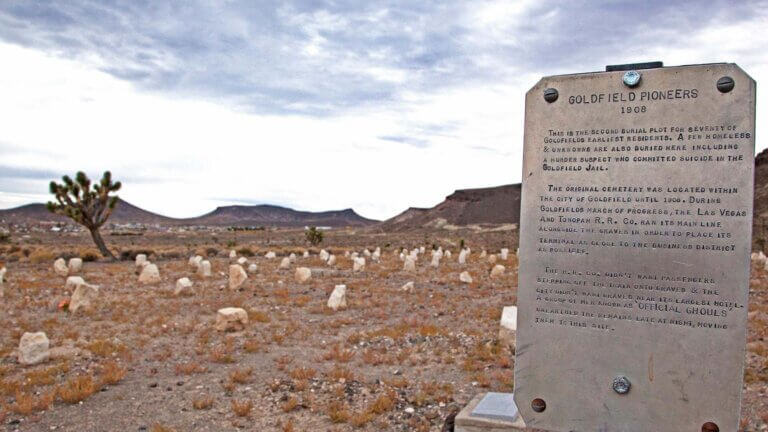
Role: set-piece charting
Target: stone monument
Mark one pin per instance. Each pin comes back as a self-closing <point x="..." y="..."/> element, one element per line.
<point x="634" y="249"/>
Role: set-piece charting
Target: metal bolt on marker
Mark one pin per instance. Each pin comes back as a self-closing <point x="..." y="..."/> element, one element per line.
<point x="725" y="84"/>
<point x="550" y="95"/>
<point x="631" y="78"/>
<point x="621" y="385"/>
<point x="538" y="405"/>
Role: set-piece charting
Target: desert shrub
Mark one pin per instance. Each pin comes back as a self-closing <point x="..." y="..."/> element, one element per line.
<point x="130" y="254"/>
<point x="231" y="243"/>
<point x="314" y="236"/>
<point x="89" y="256"/>
<point x="5" y="237"/>
<point x="246" y="252"/>
<point x="40" y="256"/>
<point x="171" y="255"/>
<point x="211" y="251"/>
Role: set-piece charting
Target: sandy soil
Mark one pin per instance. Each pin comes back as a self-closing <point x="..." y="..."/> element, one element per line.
<point x="144" y="359"/>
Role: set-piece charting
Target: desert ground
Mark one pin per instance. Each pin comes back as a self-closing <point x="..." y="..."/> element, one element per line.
<point x="144" y="359"/>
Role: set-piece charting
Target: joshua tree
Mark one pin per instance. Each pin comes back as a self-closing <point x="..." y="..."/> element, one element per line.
<point x="86" y="205"/>
<point x="314" y="236"/>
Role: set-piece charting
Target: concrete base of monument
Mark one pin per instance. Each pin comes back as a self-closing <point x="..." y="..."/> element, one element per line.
<point x="495" y="412"/>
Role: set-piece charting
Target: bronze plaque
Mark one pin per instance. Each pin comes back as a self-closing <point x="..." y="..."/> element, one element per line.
<point x="634" y="250"/>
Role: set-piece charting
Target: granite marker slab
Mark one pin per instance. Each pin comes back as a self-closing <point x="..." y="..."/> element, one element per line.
<point x="634" y="250"/>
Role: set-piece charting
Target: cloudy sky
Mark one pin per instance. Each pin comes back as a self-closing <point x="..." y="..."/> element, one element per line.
<point x="316" y="105"/>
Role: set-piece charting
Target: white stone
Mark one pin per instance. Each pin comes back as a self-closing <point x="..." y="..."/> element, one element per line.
<point x="498" y="270"/>
<point x="242" y="261"/>
<point x="231" y="319"/>
<point x="292" y="257"/>
<point x="465" y="277"/>
<point x="237" y="276"/>
<point x="447" y="254"/>
<point x="408" y="286"/>
<point x="232" y="254"/>
<point x="253" y="268"/>
<point x="306" y="254"/>
<point x="140" y="260"/>
<point x="302" y="274"/>
<point x="285" y="263"/>
<point x="358" y="264"/>
<point x="2" y="281"/>
<point x="332" y="260"/>
<point x="270" y="255"/>
<point x="84" y="297"/>
<point x="504" y="254"/>
<point x="435" y="260"/>
<point x="323" y="255"/>
<point x="492" y="259"/>
<point x="409" y="265"/>
<point x="483" y="254"/>
<point x="195" y="261"/>
<point x="149" y="274"/>
<point x="33" y="348"/>
<point x="183" y="287"/>
<point x="463" y="256"/>
<point x="60" y="267"/>
<point x="508" y="326"/>
<point x="75" y="265"/>
<point x="73" y="282"/>
<point x="367" y="253"/>
<point x="376" y="255"/>
<point x="346" y="254"/>
<point x="204" y="269"/>
<point x="422" y="250"/>
<point x="338" y="298"/>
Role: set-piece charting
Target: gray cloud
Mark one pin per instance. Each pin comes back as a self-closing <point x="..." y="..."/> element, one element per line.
<point x="324" y="57"/>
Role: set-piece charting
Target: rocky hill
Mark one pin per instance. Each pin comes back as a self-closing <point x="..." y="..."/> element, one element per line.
<point x="495" y="205"/>
<point x="257" y="215"/>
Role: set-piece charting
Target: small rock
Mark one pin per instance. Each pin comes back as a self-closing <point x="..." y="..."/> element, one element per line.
<point x="204" y="269"/>
<point x="285" y="263"/>
<point x="332" y="260"/>
<point x="497" y="271"/>
<point x="409" y="265"/>
<point x="231" y="319"/>
<point x="183" y="287"/>
<point x="338" y="298"/>
<point x="84" y="297"/>
<point x="140" y="260"/>
<point x="232" y="254"/>
<point x="242" y="261"/>
<point x="75" y="265"/>
<point x="149" y="274"/>
<point x="408" y="287"/>
<point x="237" y="276"/>
<point x="60" y="267"/>
<point x="465" y="277"/>
<point x="270" y="255"/>
<point x="358" y="264"/>
<point x="253" y="268"/>
<point x="33" y="348"/>
<point x="303" y="274"/>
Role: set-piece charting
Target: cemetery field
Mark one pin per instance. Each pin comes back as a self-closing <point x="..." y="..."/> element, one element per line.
<point x="398" y="357"/>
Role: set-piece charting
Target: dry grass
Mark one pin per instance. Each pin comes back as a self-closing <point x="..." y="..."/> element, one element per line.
<point x="190" y="368"/>
<point x="302" y="373"/>
<point x="338" y="354"/>
<point x="27" y="403"/>
<point x="112" y="373"/>
<point x="337" y="412"/>
<point x="203" y="403"/>
<point x="242" y="407"/>
<point x="290" y="404"/>
<point x="241" y="376"/>
<point x="78" y="389"/>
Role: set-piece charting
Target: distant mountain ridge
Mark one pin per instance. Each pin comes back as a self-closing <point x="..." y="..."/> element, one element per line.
<point x="493" y="205"/>
<point x="236" y="215"/>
